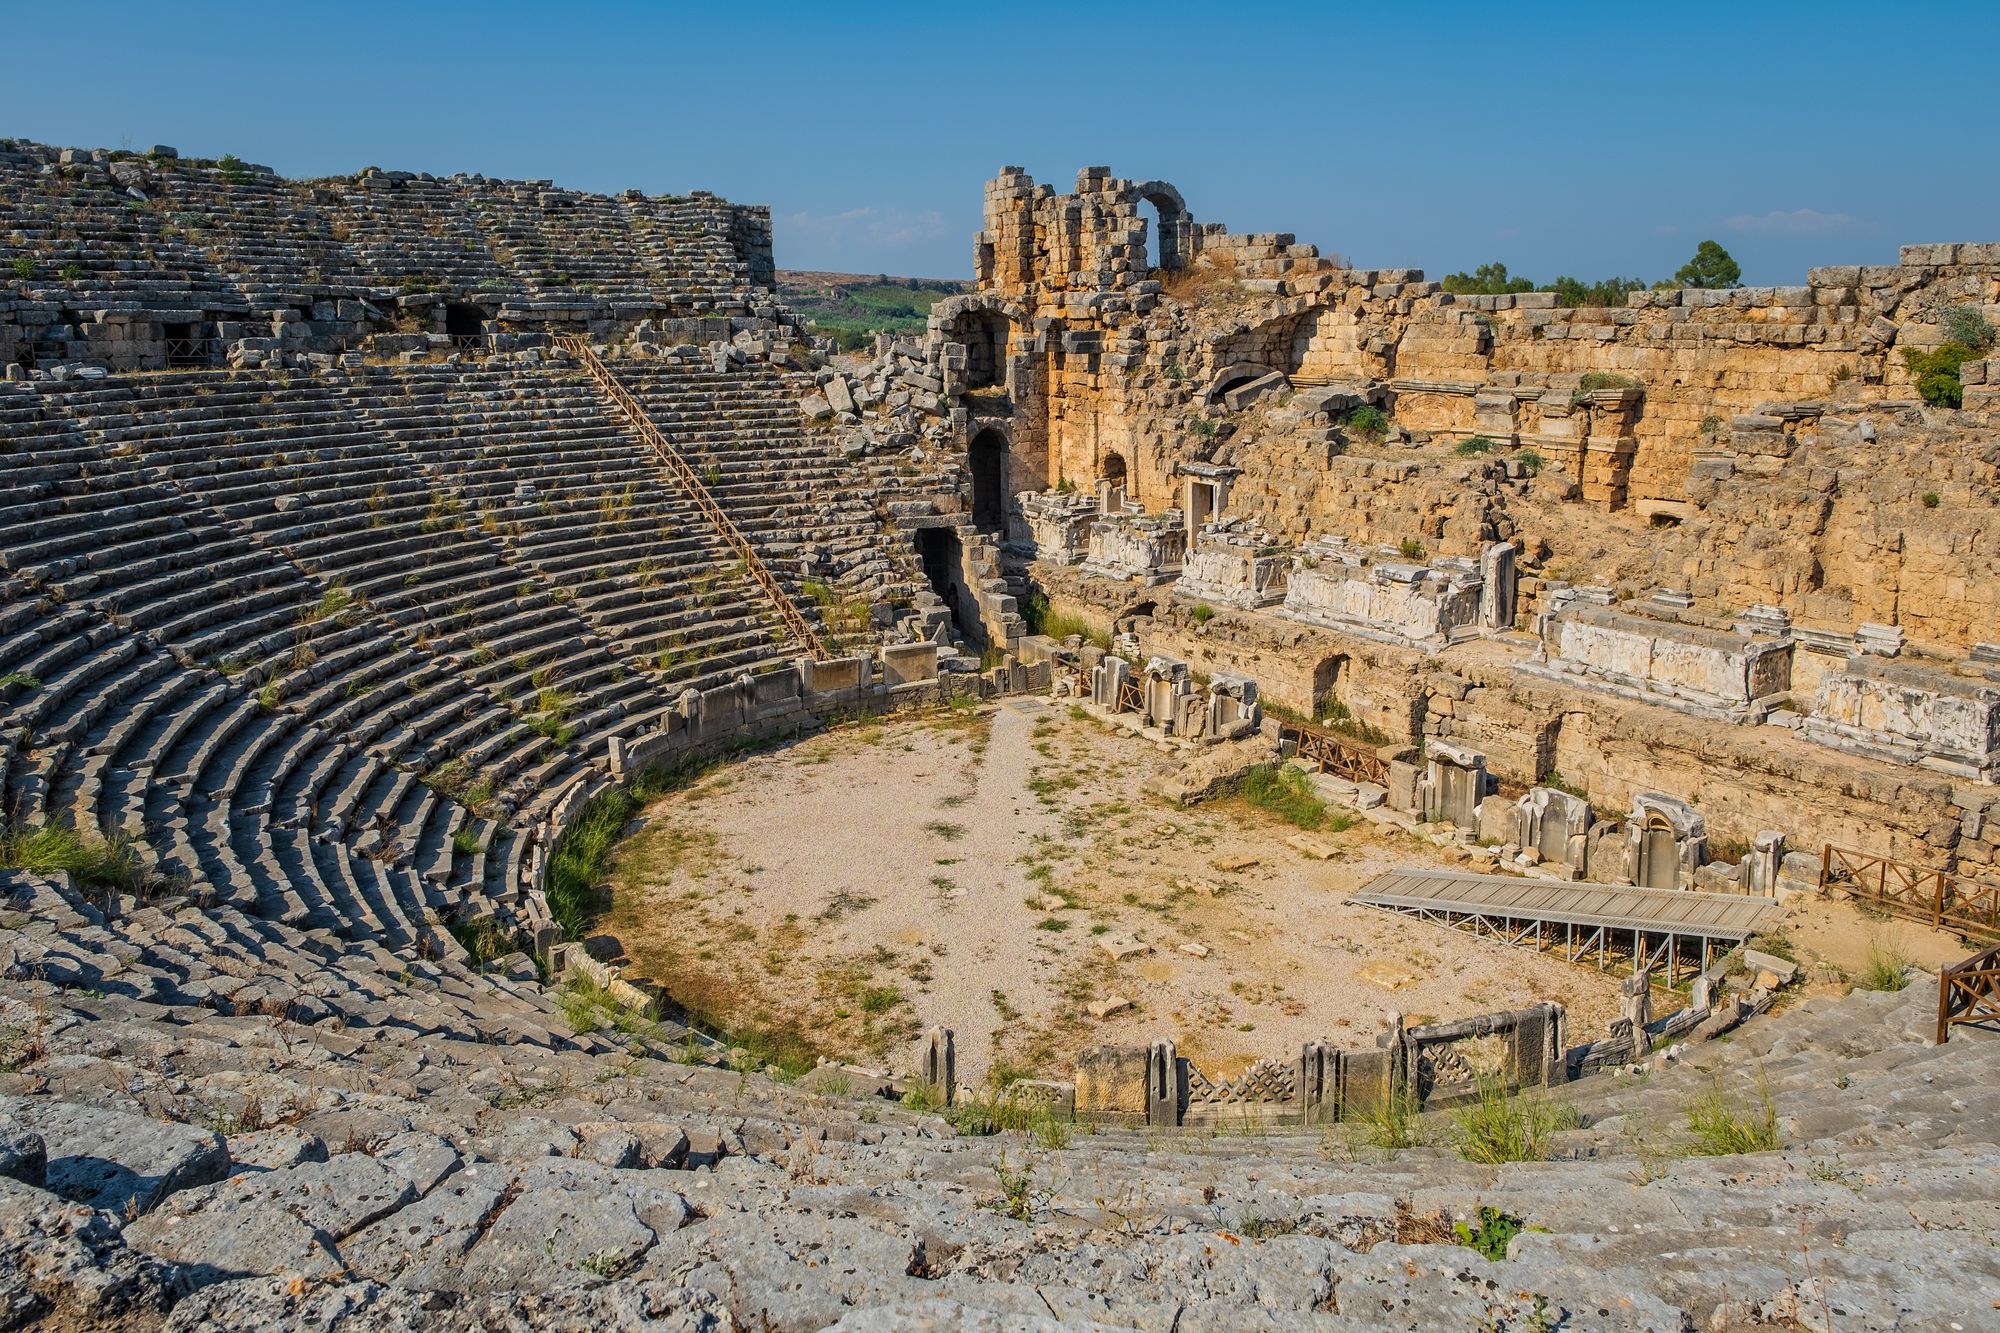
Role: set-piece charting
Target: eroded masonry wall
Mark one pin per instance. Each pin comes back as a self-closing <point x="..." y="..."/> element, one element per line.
<point x="1761" y="444"/>
<point x="1743" y="779"/>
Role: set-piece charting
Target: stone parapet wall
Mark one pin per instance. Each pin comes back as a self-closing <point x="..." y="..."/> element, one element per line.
<point x="1745" y="779"/>
<point x="144" y="261"/>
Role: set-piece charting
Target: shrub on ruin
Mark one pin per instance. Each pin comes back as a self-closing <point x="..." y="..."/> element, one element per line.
<point x="1936" y="372"/>
<point x="1203" y="613"/>
<point x="1477" y="444"/>
<point x="1410" y="549"/>
<point x="1931" y="500"/>
<point x="1968" y="326"/>
<point x="1366" y="422"/>
<point x="24" y="268"/>
<point x="1529" y="460"/>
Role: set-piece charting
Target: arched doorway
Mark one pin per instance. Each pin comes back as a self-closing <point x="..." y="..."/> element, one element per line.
<point x="1111" y="482"/>
<point x="1168" y="229"/>
<point x="988" y="462"/>
<point x="464" y="324"/>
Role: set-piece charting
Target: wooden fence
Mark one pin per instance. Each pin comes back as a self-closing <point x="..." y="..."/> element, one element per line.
<point x="1969" y="992"/>
<point x="1935" y="897"/>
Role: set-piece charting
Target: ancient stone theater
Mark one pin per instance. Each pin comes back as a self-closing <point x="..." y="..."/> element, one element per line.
<point x="1209" y="789"/>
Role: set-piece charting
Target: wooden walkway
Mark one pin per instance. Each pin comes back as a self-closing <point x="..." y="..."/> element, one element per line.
<point x="1604" y="924"/>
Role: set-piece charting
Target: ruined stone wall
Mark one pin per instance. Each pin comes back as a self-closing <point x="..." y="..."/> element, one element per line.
<point x="1774" y="431"/>
<point x="1743" y="779"/>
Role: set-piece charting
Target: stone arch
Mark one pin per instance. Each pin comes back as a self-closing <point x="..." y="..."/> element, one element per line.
<point x="464" y="324"/>
<point x="1330" y="675"/>
<point x="1233" y="375"/>
<point x="987" y="460"/>
<point x="1173" y="245"/>
<point x="984" y="326"/>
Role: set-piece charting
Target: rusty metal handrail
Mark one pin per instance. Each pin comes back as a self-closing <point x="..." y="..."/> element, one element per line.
<point x="1335" y="754"/>
<point x="1131" y="698"/>
<point x="1938" y="898"/>
<point x="1968" y="992"/>
<point x="642" y="422"/>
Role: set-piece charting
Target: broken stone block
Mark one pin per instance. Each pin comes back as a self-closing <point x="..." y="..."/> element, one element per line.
<point x="1193" y="950"/>
<point x="1316" y="848"/>
<point x="1121" y="945"/>
<point x="1108" y="1005"/>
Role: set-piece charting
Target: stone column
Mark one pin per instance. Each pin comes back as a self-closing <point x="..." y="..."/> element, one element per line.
<point x="1496" y="591"/>
<point x="941" y="1063"/>
<point x="1163" y="1085"/>
<point x="1319" y="1083"/>
<point x="1636" y="1008"/>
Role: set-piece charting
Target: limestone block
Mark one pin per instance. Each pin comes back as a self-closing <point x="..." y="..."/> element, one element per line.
<point x="113" y="1160"/>
<point x="1111" y="1080"/>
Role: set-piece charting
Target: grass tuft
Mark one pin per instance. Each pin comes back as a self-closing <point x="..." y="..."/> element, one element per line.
<point x="1501" y="1126"/>
<point x="1723" y="1128"/>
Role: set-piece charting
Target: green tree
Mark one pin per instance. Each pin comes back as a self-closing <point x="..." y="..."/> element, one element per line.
<point x="1486" y="280"/>
<point x="1605" y="291"/>
<point x="1710" y="267"/>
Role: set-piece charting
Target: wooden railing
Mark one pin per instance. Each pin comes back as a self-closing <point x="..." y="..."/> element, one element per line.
<point x="636" y="415"/>
<point x="1968" y="992"/>
<point x="1935" y="897"/>
<point x="1335" y="754"/>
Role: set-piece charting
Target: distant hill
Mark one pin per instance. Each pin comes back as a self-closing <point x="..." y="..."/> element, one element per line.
<point x="853" y="307"/>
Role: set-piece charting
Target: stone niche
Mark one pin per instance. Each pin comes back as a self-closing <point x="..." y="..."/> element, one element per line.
<point x="1144" y="548"/>
<point x="1230" y="565"/>
<point x="1666" y="842"/>
<point x="1730" y="676"/>
<point x="1910" y="712"/>
<point x="1058" y="524"/>
<point x="1453" y="785"/>
<point x="1555" y="824"/>
<point x="1366" y="591"/>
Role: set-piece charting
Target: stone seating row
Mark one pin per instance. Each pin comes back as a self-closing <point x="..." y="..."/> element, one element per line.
<point x="193" y="235"/>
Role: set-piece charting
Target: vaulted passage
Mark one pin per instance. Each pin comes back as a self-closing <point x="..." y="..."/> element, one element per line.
<point x="988" y="461"/>
<point x="943" y="557"/>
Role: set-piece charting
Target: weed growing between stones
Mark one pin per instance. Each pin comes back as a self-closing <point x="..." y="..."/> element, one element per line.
<point x="1501" y="1126"/>
<point x="1888" y="966"/>
<point x="1723" y="1128"/>
<point x="1494" y="1233"/>
<point x="1391" y="1123"/>
<point x="60" y="849"/>
<point x="1287" y="793"/>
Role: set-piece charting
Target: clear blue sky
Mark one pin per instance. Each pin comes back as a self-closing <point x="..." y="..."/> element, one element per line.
<point x="1583" y="139"/>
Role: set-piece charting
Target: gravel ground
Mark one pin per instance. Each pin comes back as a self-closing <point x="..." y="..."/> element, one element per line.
<point x="866" y="884"/>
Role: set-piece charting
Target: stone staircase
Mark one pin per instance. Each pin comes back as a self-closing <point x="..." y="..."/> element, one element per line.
<point x="805" y="507"/>
<point x="275" y="1125"/>
<point x="330" y="647"/>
